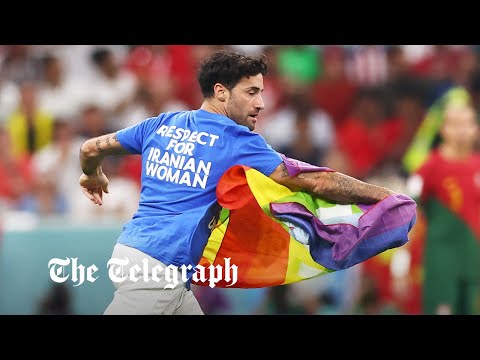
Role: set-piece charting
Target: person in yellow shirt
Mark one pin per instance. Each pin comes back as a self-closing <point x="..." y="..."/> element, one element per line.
<point x="30" y="127"/>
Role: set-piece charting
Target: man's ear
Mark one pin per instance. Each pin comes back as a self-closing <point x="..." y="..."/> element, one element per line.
<point x="220" y="92"/>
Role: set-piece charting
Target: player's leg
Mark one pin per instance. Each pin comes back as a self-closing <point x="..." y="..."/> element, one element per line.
<point x="143" y="296"/>
<point x="188" y="305"/>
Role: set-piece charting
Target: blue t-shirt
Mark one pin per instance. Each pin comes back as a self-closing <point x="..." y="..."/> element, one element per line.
<point x="184" y="154"/>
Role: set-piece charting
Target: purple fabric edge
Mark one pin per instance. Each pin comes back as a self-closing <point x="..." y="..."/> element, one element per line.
<point x="295" y="167"/>
<point x="345" y="237"/>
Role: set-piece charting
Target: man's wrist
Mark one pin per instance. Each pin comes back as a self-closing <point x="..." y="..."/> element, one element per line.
<point x="93" y="172"/>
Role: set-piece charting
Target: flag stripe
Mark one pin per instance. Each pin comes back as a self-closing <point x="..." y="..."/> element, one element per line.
<point x="275" y="236"/>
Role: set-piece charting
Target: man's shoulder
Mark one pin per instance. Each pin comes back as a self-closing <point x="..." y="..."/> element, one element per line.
<point x="166" y="114"/>
<point x="249" y="135"/>
<point x="431" y="164"/>
<point x="161" y="117"/>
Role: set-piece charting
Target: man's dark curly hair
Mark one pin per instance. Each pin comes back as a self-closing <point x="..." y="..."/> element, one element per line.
<point x="228" y="68"/>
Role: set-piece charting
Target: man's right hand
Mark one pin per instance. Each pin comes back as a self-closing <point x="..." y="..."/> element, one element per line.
<point x="93" y="186"/>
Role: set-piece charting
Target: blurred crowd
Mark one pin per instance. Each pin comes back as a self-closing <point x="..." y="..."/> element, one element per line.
<point x="353" y="108"/>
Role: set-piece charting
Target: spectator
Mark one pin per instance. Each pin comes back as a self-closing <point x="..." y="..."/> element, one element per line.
<point x="30" y="127"/>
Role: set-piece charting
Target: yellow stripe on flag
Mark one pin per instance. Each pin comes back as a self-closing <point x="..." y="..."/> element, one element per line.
<point x="265" y="189"/>
<point x="215" y="240"/>
<point x="301" y="264"/>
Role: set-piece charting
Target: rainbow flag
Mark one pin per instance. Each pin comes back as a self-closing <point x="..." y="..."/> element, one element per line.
<point x="276" y="236"/>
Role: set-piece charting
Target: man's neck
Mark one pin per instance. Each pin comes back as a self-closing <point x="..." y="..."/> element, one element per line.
<point x="453" y="152"/>
<point x="212" y="107"/>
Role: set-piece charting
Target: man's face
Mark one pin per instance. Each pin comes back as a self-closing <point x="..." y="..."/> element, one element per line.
<point x="460" y="126"/>
<point x="245" y="101"/>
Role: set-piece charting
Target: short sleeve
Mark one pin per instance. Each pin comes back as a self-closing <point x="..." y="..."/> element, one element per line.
<point x="414" y="186"/>
<point x="420" y="182"/>
<point x="132" y="138"/>
<point x="252" y="150"/>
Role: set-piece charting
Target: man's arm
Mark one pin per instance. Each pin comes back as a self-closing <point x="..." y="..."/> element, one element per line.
<point x="331" y="185"/>
<point x="92" y="152"/>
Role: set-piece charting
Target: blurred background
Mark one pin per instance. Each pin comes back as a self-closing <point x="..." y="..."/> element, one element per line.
<point x="353" y="108"/>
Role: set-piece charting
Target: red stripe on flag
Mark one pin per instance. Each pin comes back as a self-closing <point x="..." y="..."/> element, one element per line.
<point x="257" y="244"/>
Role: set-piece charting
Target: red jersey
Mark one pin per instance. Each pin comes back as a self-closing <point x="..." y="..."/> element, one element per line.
<point x="456" y="184"/>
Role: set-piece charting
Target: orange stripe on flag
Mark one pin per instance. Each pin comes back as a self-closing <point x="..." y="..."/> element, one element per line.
<point x="253" y="241"/>
<point x="259" y="257"/>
